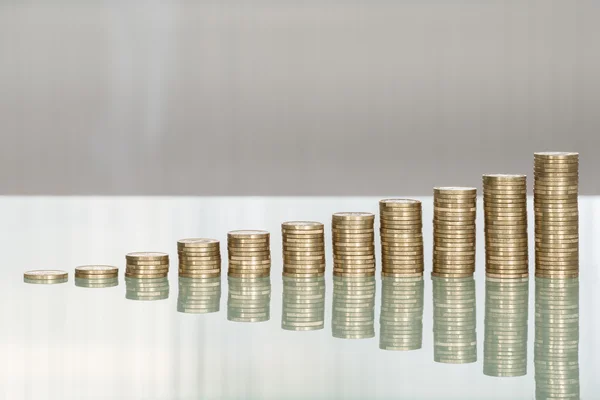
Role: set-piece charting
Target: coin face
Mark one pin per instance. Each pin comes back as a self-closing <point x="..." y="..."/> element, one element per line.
<point x="46" y="274"/>
<point x="147" y="255"/>
<point x="198" y="241"/>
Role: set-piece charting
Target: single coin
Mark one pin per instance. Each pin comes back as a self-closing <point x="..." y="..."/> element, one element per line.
<point x="46" y="274"/>
<point x="96" y="270"/>
<point x="198" y="242"/>
<point x="145" y="275"/>
<point x="400" y="203"/>
<point x="353" y="216"/>
<point x="248" y="234"/>
<point x="147" y="256"/>
<point x="302" y="225"/>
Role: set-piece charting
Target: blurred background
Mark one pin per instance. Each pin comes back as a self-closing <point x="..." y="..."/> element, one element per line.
<point x="292" y="98"/>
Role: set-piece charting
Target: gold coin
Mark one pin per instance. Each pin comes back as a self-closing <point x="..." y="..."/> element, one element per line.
<point x="354" y="253"/>
<point x="144" y="275"/>
<point x="96" y="276"/>
<point x="302" y="225"/>
<point x="400" y="203"/>
<point x="304" y="270"/>
<point x="135" y="267"/>
<point x="96" y="270"/>
<point x="396" y="212"/>
<point x="45" y="274"/>
<point x="248" y="234"/>
<point x="147" y="256"/>
<point x="248" y="264"/>
<point x="198" y="270"/>
<point x="202" y="243"/>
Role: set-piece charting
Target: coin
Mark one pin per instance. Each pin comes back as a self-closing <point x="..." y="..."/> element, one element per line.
<point x="90" y="270"/>
<point x="147" y="256"/>
<point x="45" y="275"/>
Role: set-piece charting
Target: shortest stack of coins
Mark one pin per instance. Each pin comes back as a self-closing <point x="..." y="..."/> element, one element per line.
<point x="401" y="237"/>
<point x="454" y="320"/>
<point x="505" y="209"/>
<point x="146" y="289"/>
<point x="303" y="249"/>
<point x="96" y="276"/>
<point x="147" y="265"/>
<point x="199" y="258"/>
<point x="353" y="244"/>
<point x="353" y="307"/>
<point x="249" y="254"/>
<point x="454" y="214"/>
<point x="45" y="277"/>
<point x="199" y="295"/>
<point x="249" y="299"/>
<point x="303" y="303"/>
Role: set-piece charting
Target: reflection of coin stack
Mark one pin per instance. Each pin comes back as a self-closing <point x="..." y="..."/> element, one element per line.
<point x="556" y="351"/>
<point x="401" y="237"/>
<point x="147" y="265"/>
<point x="147" y="288"/>
<point x="199" y="295"/>
<point x="249" y="299"/>
<point x="199" y="258"/>
<point x="505" y="209"/>
<point x="303" y="249"/>
<point x="303" y="303"/>
<point x="353" y="244"/>
<point x="249" y="254"/>
<point x="506" y="311"/>
<point x="556" y="215"/>
<point x="454" y="320"/>
<point x="353" y="307"/>
<point x="401" y="318"/>
<point x="454" y="213"/>
<point x="96" y="282"/>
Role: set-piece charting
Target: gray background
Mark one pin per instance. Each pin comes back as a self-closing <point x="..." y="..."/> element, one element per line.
<point x="282" y="97"/>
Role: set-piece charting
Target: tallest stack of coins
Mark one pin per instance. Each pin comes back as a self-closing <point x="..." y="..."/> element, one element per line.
<point x="556" y="215"/>
<point x="454" y="214"/>
<point x="353" y="244"/>
<point x="505" y="209"/>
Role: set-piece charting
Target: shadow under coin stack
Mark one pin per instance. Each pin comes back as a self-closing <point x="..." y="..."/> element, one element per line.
<point x="249" y="254"/>
<point x="506" y="313"/>
<point x="147" y="289"/>
<point x="353" y="244"/>
<point x="199" y="258"/>
<point x="401" y="230"/>
<point x="303" y="249"/>
<point x="199" y="295"/>
<point x="505" y="209"/>
<point x="353" y="307"/>
<point x="454" y="320"/>
<point x="454" y="214"/>
<point x="556" y="215"/>
<point x="401" y="319"/>
<point x="45" y="277"/>
<point x="96" y="276"/>
<point x="249" y="299"/>
<point x="147" y="265"/>
<point x="303" y="303"/>
<point x="556" y="348"/>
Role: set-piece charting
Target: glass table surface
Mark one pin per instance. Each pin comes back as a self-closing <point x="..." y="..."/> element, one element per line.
<point x="414" y="339"/>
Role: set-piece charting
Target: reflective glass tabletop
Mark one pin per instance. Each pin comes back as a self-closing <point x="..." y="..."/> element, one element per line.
<point x="276" y="338"/>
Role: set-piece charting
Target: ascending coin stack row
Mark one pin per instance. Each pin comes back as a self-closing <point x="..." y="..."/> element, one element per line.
<point x="249" y="299"/>
<point x="96" y="276"/>
<point x="199" y="258"/>
<point x="147" y="265"/>
<point x="556" y="347"/>
<point x="401" y="230"/>
<point x="454" y="320"/>
<point x="303" y="303"/>
<point x="249" y="254"/>
<point x="506" y="314"/>
<point x="454" y="214"/>
<point x="353" y="244"/>
<point x="555" y="191"/>
<point x="353" y="307"/>
<point x="303" y="249"/>
<point x="505" y="209"/>
<point x="199" y="295"/>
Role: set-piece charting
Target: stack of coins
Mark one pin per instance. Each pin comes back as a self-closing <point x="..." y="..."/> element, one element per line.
<point x="45" y="277"/>
<point x="249" y="254"/>
<point x="147" y="289"/>
<point x="303" y="303"/>
<point x="454" y="320"/>
<point x="96" y="276"/>
<point x="353" y="307"/>
<point x="303" y="249"/>
<point x="556" y="349"/>
<point x="506" y="313"/>
<point x="199" y="295"/>
<point x="556" y="215"/>
<point x="454" y="215"/>
<point x="249" y="299"/>
<point x="353" y="244"/>
<point x="199" y="258"/>
<point x="505" y="208"/>
<point x="401" y="319"/>
<point x="147" y="265"/>
<point x="401" y="237"/>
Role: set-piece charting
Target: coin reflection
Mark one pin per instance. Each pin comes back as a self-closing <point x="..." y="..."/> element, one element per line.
<point x="249" y="299"/>
<point x="506" y="314"/>
<point x="353" y="314"/>
<point x="199" y="295"/>
<point x="556" y="351"/>
<point x="96" y="283"/>
<point x="303" y="304"/>
<point x="401" y="319"/>
<point x="454" y="320"/>
<point x="147" y="289"/>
